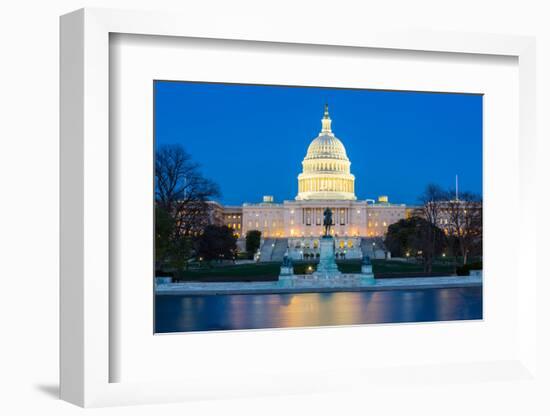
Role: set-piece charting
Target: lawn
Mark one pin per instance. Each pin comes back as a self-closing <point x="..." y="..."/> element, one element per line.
<point x="270" y="271"/>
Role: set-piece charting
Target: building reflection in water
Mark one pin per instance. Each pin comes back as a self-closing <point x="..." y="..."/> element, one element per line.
<point x="225" y="312"/>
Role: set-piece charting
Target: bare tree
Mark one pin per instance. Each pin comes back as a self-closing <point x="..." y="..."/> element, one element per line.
<point x="182" y="209"/>
<point x="464" y="217"/>
<point x="433" y="200"/>
<point x="181" y="189"/>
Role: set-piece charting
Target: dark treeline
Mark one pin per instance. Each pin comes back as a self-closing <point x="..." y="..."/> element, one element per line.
<point x="183" y="226"/>
<point x="444" y="223"/>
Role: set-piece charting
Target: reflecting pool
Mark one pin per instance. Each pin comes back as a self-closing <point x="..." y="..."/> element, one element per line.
<point x="227" y="312"/>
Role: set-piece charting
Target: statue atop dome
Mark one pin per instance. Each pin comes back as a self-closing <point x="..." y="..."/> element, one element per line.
<point x="326" y="122"/>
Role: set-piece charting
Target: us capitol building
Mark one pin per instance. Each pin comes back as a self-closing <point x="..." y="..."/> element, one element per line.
<point x="326" y="181"/>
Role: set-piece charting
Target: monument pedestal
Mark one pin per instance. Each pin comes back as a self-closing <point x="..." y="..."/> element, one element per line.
<point x="286" y="272"/>
<point x="327" y="268"/>
<point x="366" y="273"/>
<point x="366" y="270"/>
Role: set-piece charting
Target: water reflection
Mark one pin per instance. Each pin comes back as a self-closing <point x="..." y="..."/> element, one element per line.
<point x="226" y="312"/>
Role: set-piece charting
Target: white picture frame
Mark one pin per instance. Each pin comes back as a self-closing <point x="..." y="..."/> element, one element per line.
<point x="86" y="355"/>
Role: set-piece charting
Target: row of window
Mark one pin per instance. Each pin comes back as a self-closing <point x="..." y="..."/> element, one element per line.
<point x="384" y="224"/>
<point x="269" y="213"/>
<point x="275" y="224"/>
<point x="321" y="185"/>
<point x="235" y="217"/>
<point x="264" y="213"/>
<point x="391" y="214"/>
<point x="315" y="244"/>
<point x="257" y="224"/>
<point x="334" y="166"/>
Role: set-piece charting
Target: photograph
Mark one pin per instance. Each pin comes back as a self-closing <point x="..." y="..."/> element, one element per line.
<point x="301" y="206"/>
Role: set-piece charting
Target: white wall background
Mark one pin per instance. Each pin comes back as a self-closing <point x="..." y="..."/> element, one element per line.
<point x="29" y="206"/>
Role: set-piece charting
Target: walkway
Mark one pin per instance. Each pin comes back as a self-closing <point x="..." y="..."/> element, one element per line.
<point x="306" y="283"/>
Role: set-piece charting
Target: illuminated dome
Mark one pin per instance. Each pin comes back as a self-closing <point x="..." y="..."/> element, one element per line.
<point x="326" y="168"/>
<point x="326" y="146"/>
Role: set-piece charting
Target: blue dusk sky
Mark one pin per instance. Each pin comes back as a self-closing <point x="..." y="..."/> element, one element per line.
<point x="251" y="139"/>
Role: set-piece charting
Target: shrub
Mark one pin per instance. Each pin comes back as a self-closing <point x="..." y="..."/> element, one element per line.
<point x="465" y="270"/>
<point x="253" y="239"/>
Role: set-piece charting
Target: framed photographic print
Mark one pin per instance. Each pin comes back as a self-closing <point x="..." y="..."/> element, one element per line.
<point x="270" y="214"/>
<point x="319" y="252"/>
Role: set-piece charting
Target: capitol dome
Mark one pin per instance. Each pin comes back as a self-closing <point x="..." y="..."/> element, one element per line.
<point x="326" y="168"/>
<point x="326" y="146"/>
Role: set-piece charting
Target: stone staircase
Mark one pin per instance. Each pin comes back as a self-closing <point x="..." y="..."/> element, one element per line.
<point x="281" y="244"/>
<point x="367" y="247"/>
<point x="267" y="249"/>
<point x="273" y="249"/>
